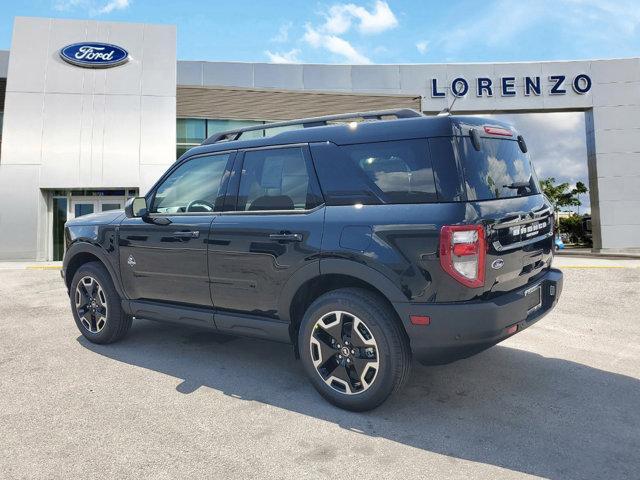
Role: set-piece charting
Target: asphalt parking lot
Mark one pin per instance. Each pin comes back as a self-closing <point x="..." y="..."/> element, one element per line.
<point x="560" y="400"/>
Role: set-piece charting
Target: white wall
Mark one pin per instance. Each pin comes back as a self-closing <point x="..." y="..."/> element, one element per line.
<point x="72" y="127"/>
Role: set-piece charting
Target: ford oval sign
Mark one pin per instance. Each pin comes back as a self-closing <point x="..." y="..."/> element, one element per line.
<point x="497" y="264"/>
<point x="94" y="55"/>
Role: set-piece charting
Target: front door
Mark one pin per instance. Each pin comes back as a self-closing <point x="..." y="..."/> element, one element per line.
<point x="163" y="257"/>
<point x="275" y="229"/>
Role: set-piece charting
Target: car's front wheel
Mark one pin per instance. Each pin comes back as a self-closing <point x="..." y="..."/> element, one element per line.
<point x="96" y="305"/>
<point x="353" y="349"/>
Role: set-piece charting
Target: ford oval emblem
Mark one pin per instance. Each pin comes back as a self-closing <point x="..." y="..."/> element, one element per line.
<point x="497" y="264"/>
<point x="94" y="55"/>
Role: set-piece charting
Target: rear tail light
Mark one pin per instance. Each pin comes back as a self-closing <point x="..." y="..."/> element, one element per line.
<point x="463" y="252"/>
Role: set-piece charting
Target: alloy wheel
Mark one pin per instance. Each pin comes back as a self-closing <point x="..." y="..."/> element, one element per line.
<point x="91" y="304"/>
<point x="344" y="352"/>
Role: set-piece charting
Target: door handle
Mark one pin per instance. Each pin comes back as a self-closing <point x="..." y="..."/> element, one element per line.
<point x="286" y="236"/>
<point x="194" y="234"/>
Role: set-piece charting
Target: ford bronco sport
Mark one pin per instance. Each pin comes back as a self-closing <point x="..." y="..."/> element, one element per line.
<point x="362" y="239"/>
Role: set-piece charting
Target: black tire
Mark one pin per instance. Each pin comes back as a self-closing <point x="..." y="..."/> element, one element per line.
<point x="115" y="324"/>
<point x="393" y="352"/>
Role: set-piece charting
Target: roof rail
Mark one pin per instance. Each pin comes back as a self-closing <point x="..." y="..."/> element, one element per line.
<point x="230" y="135"/>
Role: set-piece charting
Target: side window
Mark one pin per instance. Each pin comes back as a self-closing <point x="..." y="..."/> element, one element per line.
<point x="193" y="187"/>
<point x="276" y="179"/>
<point x="379" y="172"/>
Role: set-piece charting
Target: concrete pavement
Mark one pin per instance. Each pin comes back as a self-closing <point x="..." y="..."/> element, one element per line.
<point x="559" y="400"/>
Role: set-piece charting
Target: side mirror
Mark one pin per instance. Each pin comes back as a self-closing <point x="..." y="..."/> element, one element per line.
<point x="136" y="207"/>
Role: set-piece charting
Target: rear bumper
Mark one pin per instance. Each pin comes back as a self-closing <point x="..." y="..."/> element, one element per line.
<point x="459" y="330"/>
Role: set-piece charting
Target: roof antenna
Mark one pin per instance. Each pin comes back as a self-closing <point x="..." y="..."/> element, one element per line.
<point x="446" y="111"/>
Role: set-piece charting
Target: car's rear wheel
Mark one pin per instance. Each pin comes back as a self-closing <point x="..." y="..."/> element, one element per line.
<point x="353" y="349"/>
<point x="96" y="305"/>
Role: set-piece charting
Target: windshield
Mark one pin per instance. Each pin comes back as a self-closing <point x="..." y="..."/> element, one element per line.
<point x="499" y="170"/>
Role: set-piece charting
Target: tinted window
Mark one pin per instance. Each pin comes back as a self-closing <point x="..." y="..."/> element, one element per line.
<point x="275" y="179"/>
<point x="380" y="172"/>
<point x="445" y="169"/>
<point x="193" y="187"/>
<point x="498" y="170"/>
<point x="190" y="130"/>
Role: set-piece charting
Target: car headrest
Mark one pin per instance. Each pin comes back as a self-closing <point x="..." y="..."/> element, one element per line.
<point x="275" y="202"/>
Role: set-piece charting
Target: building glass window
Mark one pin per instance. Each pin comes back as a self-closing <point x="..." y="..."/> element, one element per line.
<point x="216" y="126"/>
<point x="111" y="206"/>
<point x="81" y="209"/>
<point x="182" y="149"/>
<point x="191" y="132"/>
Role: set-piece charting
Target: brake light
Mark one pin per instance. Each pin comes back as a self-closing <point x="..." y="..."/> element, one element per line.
<point x="503" y="132"/>
<point x="463" y="252"/>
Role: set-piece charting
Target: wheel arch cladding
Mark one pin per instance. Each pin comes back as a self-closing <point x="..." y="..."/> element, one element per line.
<point x="82" y="253"/>
<point x="316" y="286"/>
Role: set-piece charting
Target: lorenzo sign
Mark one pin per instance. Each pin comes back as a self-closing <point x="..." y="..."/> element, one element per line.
<point x="94" y="55"/>
<point x="484" y="87"/>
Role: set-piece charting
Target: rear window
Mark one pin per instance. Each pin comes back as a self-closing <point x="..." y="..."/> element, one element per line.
<point x="499" y="170"/>
<point x="378" y="172"/>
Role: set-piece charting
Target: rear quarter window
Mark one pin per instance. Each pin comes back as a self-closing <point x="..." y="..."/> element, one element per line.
<point x="376" y="172"/>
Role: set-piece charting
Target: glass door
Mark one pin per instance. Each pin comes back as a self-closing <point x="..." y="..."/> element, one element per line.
<point x="59" y="218"/>
<point x="80" y="207"/>
<point x="68" y="204"/>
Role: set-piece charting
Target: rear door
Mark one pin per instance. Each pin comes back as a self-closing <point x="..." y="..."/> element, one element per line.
<point x="273" y="227"/>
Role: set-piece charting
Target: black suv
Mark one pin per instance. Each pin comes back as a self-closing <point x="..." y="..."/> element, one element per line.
<point x="363" y="243"/>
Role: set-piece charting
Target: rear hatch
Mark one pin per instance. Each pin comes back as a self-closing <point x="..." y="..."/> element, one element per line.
<point x="504" y="196"/>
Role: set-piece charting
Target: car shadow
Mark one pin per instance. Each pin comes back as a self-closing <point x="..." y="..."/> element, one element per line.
<point x="506" y="407"/>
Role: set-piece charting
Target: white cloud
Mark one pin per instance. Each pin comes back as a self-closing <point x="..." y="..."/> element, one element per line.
<point x="284" y="57"/>
<point x="92" y="7"/>
<point x="62" y="5"/>
<point x="339" y="18"/>
<point x="329" y="32"/>
<point x="422" y="46"/>
<point x="114" y="5"/>
<point x="334" y="44"/>
<point x="283" y="33"/>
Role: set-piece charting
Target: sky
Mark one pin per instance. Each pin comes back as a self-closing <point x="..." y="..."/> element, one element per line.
<point x="369" y="31"/>
<point x="392" y="31"/>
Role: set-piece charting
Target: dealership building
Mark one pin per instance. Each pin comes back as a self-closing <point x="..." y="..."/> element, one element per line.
<point x="92" y="113"/>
